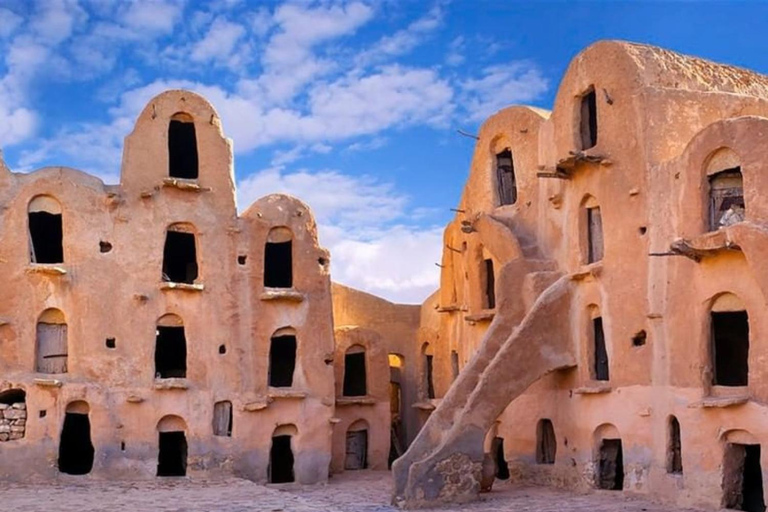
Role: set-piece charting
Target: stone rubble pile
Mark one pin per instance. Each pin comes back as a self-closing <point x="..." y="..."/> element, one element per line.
<point x="13" y="421"/>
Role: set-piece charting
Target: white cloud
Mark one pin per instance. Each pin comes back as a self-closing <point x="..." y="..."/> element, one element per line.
<point x="455" y="55"/>
<point x="9" y="22"/>
<point x="360" y="220"/>
<point x="405" y="40"/>
<point x="219" y="42"/>
<point x="501" y="86"/>
<point x="152" y="16"/>
<point x="55" y="20"/>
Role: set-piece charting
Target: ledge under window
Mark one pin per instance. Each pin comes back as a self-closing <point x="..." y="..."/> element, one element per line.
<point x="719" y="402"/>
<point x="171" y="383"/>
<point x="286" y="393"/>
<point x="424" y="406"/>
<point x="593" y="389"/>
<point x="187" y="287"/>
<point x="590" y="270"/>
<point x="42" y="268"/>
<point x="449" y="308"/>
<point x="182" y="184"/>
<point x="355" y="400"/>
<point x="287" y="294"/>
<point x="485" y="315"/>
<point x="48" y="383"/>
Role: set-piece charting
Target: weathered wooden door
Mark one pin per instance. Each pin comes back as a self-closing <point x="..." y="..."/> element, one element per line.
<point x="51" y="348"/>
<point x="222" y="418"/>
<point x="595" y="228"/>
<point x="601" y="353"/>
<point x="357" y="449"/>
<point x="611" y="468"/>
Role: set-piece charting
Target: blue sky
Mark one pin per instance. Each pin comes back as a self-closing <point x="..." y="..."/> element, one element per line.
<point x="351" y="105"/>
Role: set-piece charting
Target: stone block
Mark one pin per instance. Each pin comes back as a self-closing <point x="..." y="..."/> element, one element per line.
<point x="20" y="405"/>
<point x="15" y="414"/>
<point x="17" y="428"/>
<point x="4" y="437"/>
<point x="4" y="429"/>
<point x="4" y="407"/>
<point x="15" y="435"/>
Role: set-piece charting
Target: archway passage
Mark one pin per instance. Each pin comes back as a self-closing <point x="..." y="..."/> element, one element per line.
<point x="281" y="460"/>
<point x="75" y="447"/>
<point x="611" y="465"/>
<point x="172" y="457"/>
<point x="743" y="478"/>
<point x="357" y="450"/>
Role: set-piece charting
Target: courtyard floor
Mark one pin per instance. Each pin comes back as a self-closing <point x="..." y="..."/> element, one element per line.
<point x="364" y="491"/>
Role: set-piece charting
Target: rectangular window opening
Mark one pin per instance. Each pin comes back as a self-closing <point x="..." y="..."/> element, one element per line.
<point x="588" y="124"/>
<point x="180" y="258"/>
<point x="170" y="352"/>
<point x="601" y="354"/>
<point x="278" y="264"/>
<point x="430" y="376"/>
<point x="282" y="361"/>
<point x="454" y="364"/>
<point x="489" y="293"/>
<point x="222" y="418"/>
<point x="355" y="374"/>
<point x="595" y="235"/>
<point x="506" y="183"/>
<point x="46" y="237"/>
<point x="730" y="346"/>
<point x="182" y="150"/>
<point x="726" y="198"/>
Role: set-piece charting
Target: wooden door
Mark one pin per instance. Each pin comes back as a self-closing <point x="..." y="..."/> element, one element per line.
<point x="51" y="348"/>
<point x="357" y="449"/>
<point x="595" y="228"/>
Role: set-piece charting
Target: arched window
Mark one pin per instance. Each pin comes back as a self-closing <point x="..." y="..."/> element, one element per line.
<point x="172" y="446"/>
<point x="546" y="443"/>
<point x="278" y="258"/>
<point x="180" y="254"/>
<point x="45" y="230"/>
<point x="726" y="198"/>
<point x="51" y="354"/>
<point x="355" y="378"/>
<point x="170" y="348"/>
<point x="282" y="358"/>
<point x="506" y="184"/>
<point x="75" y="447"/>
<point x="427" y="355"/>
<point x="357" y="446"/>
<point x="729" y="328"/>
<point x="14" y="415"/>
<point x="281" y="455"/>
<point x="674" y="447"/>
<point x="182" y="147"/>
<point x="588" y="118"/>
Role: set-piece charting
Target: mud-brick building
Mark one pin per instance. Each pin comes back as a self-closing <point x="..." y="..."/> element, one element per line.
<point x="148" y="329"/>
<point x="601" y="319"/>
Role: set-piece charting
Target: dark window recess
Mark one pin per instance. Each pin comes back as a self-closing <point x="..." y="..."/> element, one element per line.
<point x="454" y="364"/>
<point x="594" y="235"/>
<point x="172" y="457"/>
<point x="282" y="361"/>
<point x="13" y="396"/>
<point x="588" y="123"/>
<point x="222" y="418"/>
<point x="122" y="446"/>
<point x="743" y="478"/>
<point x="546" y="443"/>
<point x="505" y="178"/>
<point x="242" y="259"/>
<point x="46" y="238"/>
<point x="639" y="339"/>
<point x="611" y="465"/>
<point x="179" y="257"/>
<point x="355" y="375"/>
<point x="182" y="150"/>
<point x="357" y="450"/>
<point x="281" y="460"/>
<point x="429" y="364"/>
<point x="489" y="293"/>
<point x="222" y="349"/>
<point x="75" y="447"/>
<point x="278" y="264"/>
<point x="111" y="343"/>
<point x="497" y="450"/>
<point x="730" y="347"/>
<point x="51" y="354"/>
<point x="43" y="413"/>
<point x="105" y="247"/>
<point x="601" y="354"/>
<point x="726" y="198"/>
<point x="170" y="352"/>
<point x="674" y="447"/>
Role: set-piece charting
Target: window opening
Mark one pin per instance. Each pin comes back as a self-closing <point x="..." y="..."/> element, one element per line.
<point x="51" y="343"/>
<point x="730" y="346"/>
<point x="505" y="178"/>
<point x="13" y="417"/>
<point x="726" y="198"/>
<point x="588" y="125"/>
<point x="222" y="418"/>
<point x="546" y="443"/>
<point x="182" y="147"/>
<point x="75" y="446"/>
<point x="454" y="364"/>
<point x="170" y="352"/>
<point x="172" y="457"/>
<point x="357" y="450"/>
<point x="281" y="460"/>
<point x="180" y="257"/>
<point x="489" y="293"/>
<point x="355" y="378"/>
<point x="46" y="236"/>
<point x="743" y="478"/>
<point x="601" y="354"/>
<point x="674" y="447"/>
<point x="611" y="465"/>
<point x="595" y="234"/>
<point x="282" y="360"/>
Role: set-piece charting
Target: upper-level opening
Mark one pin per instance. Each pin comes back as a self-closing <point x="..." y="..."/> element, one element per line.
<point x="355" y="375"/>
<point x="729" y="341"/>
<point x="180" y="254"/>
<point x="506" y="184"/>
<point x="592" y="237"/>
<point x="182" y="147"/>
<point x="45" y="230"/>
<point x="51" y="348"/>
<point x="726" y="189"/>
<point x="428" y="358"/>
<point x="282" y="358"/>
<point x="599" y="367"/>
<point x="278" y="258"/>
<point x="588" y="118"/>
<point x="170" y="348"/>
